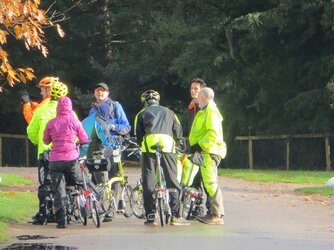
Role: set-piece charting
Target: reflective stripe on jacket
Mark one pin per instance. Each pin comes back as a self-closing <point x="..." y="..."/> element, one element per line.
<point x="207" y="131"/>
<point x="157" y="124"/>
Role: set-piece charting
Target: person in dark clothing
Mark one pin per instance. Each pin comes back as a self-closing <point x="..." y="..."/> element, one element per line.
<point x="195" y="86"/>
<point x="156" y="124"/>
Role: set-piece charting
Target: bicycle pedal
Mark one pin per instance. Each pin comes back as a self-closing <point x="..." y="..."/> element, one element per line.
<point x="151" y="217"/>
<point x="120" y="211"/>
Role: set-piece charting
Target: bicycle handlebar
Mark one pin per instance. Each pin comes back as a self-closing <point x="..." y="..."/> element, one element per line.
<point x="82" y="159"/>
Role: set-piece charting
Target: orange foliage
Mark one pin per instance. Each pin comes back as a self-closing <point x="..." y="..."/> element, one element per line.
<point x="25" y="21"/>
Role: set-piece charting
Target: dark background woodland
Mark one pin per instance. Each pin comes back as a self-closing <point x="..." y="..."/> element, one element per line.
<point x="270" y="63"/>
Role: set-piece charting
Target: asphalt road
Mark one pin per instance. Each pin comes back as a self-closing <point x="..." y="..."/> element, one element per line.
<point x="257" y="216"/>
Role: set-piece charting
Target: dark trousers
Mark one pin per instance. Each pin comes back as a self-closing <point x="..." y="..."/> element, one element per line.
<point x="62" y="173"/>
<point x="168" y="164"/>
<point x="44" y="188"/>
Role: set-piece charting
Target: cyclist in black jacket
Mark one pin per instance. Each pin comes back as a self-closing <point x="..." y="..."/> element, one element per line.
<point x="158" y="124"/>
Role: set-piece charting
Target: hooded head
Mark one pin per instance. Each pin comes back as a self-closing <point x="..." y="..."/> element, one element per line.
<point x="64" y="105"/>
<point x="102" y="110"/>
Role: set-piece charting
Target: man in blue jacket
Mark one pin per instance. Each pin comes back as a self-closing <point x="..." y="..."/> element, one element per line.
<point x="117" y="119"/>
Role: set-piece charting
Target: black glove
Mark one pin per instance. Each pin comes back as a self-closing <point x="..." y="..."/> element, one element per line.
<point x="24" y="97"/>
<point x="118" y="140"/>
<point x="195" y="148"/>
<point x="181" y="145"/>
<point x="197" y="159"/>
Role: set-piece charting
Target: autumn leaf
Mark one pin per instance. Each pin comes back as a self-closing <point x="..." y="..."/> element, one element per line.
<point x="60" y="31"/>
<point x="24" y="20"/>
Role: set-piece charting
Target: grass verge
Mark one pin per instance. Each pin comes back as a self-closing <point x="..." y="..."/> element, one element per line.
<point x="14" y="180"/>
<point x="325" y="191"/>
<point x="304" y="177"/>
<point x="15" y="206"/>
<point x="301" y="177"/>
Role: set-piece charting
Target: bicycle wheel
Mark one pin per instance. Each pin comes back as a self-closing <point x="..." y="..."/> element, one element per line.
<point x="94" y="210"/>
<point x="191" y="208"/>
<point x="138" y="203"/>
<point x="127" y="201"/>
<point x="185" y="206"/>
<point x="69" y="208"/>
<point x="47" y="213"/>
<point x="79" y="209"/>
<point x="106" y="200"/>
<point x="167" y="210"/>
<point x="160" y="209"/>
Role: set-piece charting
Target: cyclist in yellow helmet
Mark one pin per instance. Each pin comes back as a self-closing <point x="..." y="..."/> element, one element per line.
<point x="35" y="131"/>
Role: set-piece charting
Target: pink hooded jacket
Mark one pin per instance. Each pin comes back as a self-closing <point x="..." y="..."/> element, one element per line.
<point x="63" y="131"/>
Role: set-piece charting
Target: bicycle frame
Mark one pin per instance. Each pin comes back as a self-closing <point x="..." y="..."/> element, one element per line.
<point x="111" y="195"/>
<point x="161" y="192"/>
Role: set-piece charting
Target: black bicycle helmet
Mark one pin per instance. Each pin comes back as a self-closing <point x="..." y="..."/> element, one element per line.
<point x="150" y="95"/>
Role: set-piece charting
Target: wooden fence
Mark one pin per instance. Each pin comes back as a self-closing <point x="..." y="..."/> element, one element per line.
<point x="251" y="138"/>
<point x="26" y="143"/>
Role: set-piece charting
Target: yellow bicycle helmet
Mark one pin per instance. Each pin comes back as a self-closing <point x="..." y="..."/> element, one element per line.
<point x="58" y="89"/>
<point x="149" y="95"/>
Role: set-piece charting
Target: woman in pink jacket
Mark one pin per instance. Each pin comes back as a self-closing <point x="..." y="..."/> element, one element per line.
<point x="63" y="132"/>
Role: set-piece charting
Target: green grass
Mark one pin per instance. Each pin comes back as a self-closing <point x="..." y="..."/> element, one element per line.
<point x="304" y="177"/>
<point x="14" y="180"/>
<point x="325" y="191"/>
<point x="15" y="206"/>
<point x="4" y="236"/>
<point x="301" y="177"/>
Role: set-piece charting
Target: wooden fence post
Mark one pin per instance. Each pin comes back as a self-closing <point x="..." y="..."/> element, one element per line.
<point x="27" y="152"/>
<point x="0" y="151"/>
<point x="328" y="153"/>
<point x="250" y="153"/>
<point x="288" y="154"/>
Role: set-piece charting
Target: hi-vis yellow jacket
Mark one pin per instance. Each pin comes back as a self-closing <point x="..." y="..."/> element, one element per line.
<point x="157" y="124"/>
<point x="207" y="131"/>
<point x="37" y="125"/>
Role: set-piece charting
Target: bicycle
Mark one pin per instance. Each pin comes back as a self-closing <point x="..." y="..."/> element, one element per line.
<point x="137" y="191"/>
<point x="161" y="193"/>
<point x="91" y="203"/>
<point x="75" y="206"/>
<point x="118" y="200"/>
<point x="191" y="198"/>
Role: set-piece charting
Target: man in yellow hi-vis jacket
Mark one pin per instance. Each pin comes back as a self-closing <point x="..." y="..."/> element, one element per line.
<point x="156" y="124"/>
<point x="206" y="137"/>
